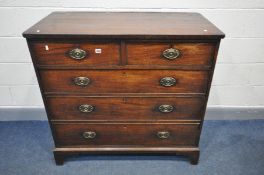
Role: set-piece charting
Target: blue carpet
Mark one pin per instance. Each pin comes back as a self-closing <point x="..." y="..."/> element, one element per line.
<point x="227" y="147"/>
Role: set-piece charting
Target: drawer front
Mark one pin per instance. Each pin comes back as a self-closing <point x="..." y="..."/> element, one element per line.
<point x="127" y="108"/>
<point x="124" y="81"/>
<point x="178" y="53"/>
<point x="76" y="53"/>
<point x="126" y="134"/>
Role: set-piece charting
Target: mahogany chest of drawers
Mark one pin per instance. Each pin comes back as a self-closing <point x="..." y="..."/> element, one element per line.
<point x="124" y="82"/>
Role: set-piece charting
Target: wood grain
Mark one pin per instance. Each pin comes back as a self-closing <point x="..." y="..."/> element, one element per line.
<point x="126" y="134"/>
<point x="124" y="81"/>
<point x="151" y="53"/>
<point x="60" y="154"/>
<point x="58" y="53"/>
<point x="125" y="78"/>
<point x="115" y="108"/>
<point x="124" y="25"/>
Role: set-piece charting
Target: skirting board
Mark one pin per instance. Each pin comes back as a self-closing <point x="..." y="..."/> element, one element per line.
<point x="212" y="113"/>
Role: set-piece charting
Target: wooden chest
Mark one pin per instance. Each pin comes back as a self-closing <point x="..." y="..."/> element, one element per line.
<point x="124" y="82"/>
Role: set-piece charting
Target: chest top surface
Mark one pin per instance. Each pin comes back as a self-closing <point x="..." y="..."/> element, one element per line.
<point x="125" y="25"/>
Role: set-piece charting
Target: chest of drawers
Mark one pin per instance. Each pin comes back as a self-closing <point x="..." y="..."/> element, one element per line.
<point x="124" y="82"/>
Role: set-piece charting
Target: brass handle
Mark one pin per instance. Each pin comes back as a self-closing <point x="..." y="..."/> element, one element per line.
<point x="166" y="108"/>
<point x="85" y="108"/>
<point x="77" y="53"/>
<point x="171" y="53"/>
<point x="167" y="81"/>
<point x="163" y="134"/>
<point x="81" y="81"/>
<point x="89" y="135"/>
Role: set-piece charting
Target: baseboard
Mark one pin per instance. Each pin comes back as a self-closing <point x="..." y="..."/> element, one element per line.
<point x="212" y="113"/>
<point x="22" y="113"/>
<point x="234" y="113"/>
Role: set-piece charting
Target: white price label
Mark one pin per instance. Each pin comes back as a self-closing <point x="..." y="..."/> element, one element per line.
<point x="98" y="50"/>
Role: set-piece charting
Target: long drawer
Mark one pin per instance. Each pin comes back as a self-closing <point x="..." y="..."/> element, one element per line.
<point x="170" y="53"/>
<point x="80" y="134"/>
<point x="76" y="53"/>
<point x="126" y="108"/>
<point x="124" y="81"/>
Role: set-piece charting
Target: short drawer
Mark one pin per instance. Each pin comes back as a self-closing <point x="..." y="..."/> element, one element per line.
<point x="79" y="134"/>
<point x="124" y="81"/>
<point x="76" y="53"/>
<point x="170" y="54"/>
<point x="126" y="108"/>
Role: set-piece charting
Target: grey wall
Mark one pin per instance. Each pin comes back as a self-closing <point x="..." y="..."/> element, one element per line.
<point x="238" y="82"/>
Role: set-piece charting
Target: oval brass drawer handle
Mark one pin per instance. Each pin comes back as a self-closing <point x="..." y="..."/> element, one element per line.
<point x="89" y="135"/>
<point x="81" y="81"/>
<point x="163" y="134"/>
<point x="166" y="108"/>
<point x="85" y="108"/>
<point x="77" y="53"/>
<point x="167" y="81"/>
<point x="171" y="53"/>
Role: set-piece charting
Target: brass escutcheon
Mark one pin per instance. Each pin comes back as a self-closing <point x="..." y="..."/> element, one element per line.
<point x="81" y="81"/>
<point x="85" y="108"/>
<point x="167" y="81"/>
<point x="77" y="53"/>
<point x="89" y="135"/>
<point x="171" y="53"/>
<point x="166" y="108"/>
<point x="163" y="134"/>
